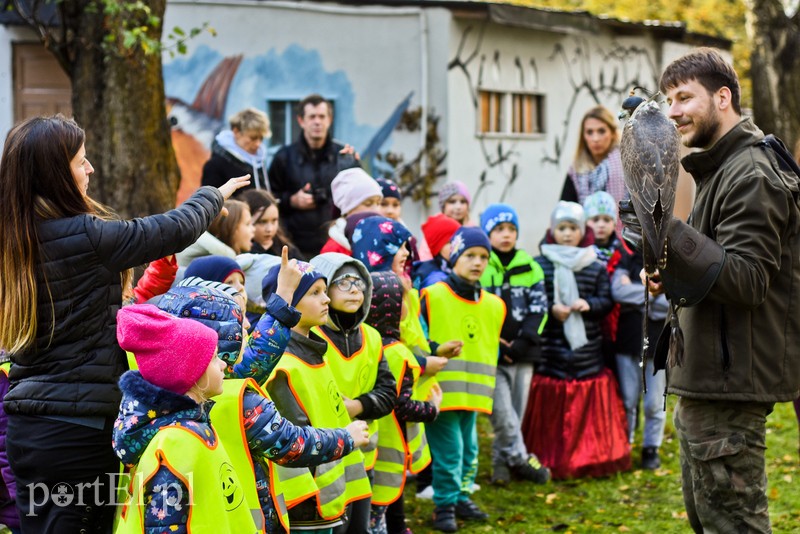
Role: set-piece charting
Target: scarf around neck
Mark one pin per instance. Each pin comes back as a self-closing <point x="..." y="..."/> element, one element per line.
<point x="566" y="262"/>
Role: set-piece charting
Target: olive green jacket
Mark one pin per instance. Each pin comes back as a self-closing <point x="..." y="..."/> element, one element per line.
<point x="742" y="341"/>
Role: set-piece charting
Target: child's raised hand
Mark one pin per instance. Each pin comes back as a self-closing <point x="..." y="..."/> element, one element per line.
<point x="288" y="277"/>
<point x="359" y="432"/>
<point x="450" y="349"/>
<point x="580" y="305"/>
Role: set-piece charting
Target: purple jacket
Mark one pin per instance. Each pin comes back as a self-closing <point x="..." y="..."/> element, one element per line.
<point x="8" y="487"/>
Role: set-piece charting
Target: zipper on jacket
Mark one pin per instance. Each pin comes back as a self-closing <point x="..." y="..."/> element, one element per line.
<point x="726" y="355"/>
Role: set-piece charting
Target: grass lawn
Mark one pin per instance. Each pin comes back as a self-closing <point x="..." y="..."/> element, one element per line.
<point x="637" y="501"/>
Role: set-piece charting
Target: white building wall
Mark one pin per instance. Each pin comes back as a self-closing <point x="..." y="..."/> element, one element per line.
<point x="574" y="73"/>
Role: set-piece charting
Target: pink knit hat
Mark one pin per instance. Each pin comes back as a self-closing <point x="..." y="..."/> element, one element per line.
<point x="353" y="186"/>
<point x="172" y="353"/>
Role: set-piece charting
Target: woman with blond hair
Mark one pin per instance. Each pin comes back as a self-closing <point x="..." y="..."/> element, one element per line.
<point x="63" y="261"/>
<point x="240" y="150"/>
<point x="597" y="165"/>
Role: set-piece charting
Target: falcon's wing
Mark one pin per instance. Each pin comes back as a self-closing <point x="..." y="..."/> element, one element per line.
<point x="650" y="153"/>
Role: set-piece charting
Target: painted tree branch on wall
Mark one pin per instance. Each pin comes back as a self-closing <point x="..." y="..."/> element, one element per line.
<point x="418" y="176"/>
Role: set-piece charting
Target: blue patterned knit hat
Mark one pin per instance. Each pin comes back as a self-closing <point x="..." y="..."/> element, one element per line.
<point x="465" y="238"/>
<point x="376" y="240"/>
<point x="310" y="275"/>
<point x="600" y="203"/>
<point x="213" y="308"/>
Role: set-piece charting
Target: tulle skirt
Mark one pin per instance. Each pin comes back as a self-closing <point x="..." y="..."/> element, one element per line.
<point x="577" y="428"/>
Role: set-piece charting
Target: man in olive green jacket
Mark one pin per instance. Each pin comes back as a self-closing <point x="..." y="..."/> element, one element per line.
<point x="734" y="273"/>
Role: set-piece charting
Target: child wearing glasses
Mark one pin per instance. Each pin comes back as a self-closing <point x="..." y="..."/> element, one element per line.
<point x="355" y="356"/>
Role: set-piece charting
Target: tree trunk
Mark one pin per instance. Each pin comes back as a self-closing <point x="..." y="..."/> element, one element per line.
<point x="118" y="98"/>
<point x="775" y="68"/>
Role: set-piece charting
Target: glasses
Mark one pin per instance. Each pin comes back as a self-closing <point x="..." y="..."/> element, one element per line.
<point x="346" y="284"/>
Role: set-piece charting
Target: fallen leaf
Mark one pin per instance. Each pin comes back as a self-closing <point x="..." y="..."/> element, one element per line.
<point x="787" y="478"/>
<point x="550" y="498"/>
<point x="624" y="488"/>
<point x="773" y="493"/>
<point x="623" y="528"/>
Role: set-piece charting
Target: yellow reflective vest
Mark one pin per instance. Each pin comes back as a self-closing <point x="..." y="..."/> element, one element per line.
<point x="356" y="375"/>
<point x="216" y="495"/>
<point x="226" y="416"/>
<point x="411" y="331"/>
<point x="338" y="482"/>
<point x="467" y="381"/>
<point x="395" y="454"/>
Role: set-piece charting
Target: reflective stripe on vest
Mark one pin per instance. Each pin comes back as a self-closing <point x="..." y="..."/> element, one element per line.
<point x="341" y="481"/>
<point x="394" y="453"/>
<point x="389" y="476"/>
<point x="467" y="381"/>
<point x="5" y="367"/>
<point x="226" y="416"/>
<point x="356" y="375"/>
<point x="216" y="496"/>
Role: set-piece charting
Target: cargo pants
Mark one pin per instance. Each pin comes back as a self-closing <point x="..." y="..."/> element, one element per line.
<point x="723" y="469"/>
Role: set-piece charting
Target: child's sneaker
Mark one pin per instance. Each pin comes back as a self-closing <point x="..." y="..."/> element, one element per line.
<point x="426" y="494"/>
<point x="444" y="518"/>
<point x="532" y="470"/>
<point x="469" y="510"/>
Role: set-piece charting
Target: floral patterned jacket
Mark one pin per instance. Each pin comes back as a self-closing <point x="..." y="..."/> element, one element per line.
<point x="146" y="408"/>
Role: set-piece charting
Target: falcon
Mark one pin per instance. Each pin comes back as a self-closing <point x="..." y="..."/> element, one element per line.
<point x="650" y="151"/>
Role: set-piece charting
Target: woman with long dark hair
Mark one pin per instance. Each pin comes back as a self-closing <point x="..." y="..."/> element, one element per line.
<point x="63" y="262"/>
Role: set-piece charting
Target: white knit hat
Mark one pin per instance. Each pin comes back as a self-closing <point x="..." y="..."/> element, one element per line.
<point x="351" y="187"/>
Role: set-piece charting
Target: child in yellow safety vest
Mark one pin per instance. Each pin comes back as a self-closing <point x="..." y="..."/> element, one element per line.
<point x="183" y="479"/>
<point x="459" y="308"/>
<point x="247" y="422"/>
<point x="305" y="391"/>
<point x="402" y="445"/>
<point x="355" y="356"/>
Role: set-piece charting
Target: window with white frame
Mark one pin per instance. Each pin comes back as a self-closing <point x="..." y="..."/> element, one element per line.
<point x="515" y="114"/>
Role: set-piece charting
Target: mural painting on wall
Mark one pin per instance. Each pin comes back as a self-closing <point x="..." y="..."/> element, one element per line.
<point x="219" y="86"/>
<point x="588" y="70"/>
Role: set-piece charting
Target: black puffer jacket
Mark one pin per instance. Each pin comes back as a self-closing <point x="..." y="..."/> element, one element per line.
<point x="291" y="169"/>
<point x="76" y="372"/>
<point x="558" y="359"/>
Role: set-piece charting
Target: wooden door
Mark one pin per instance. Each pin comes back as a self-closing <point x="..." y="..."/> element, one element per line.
<point x="40" y="85"/>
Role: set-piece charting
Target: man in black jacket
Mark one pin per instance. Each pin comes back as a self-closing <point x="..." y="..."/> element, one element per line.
<point x="301" y="173"/>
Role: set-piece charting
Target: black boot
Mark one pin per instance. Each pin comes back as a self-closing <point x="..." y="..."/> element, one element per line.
<point x="650" y="458"/>
<point x="444" y="518"/>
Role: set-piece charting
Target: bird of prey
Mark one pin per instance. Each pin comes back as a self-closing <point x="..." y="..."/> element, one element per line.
<point x="650" y="151"/>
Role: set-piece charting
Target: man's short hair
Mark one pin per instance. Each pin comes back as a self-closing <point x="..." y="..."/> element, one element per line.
<point x="708" y="68"/>
<point x="315" y="100"/>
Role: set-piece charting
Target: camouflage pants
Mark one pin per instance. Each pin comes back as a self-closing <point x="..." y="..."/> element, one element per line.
<point x="722" y="464"/>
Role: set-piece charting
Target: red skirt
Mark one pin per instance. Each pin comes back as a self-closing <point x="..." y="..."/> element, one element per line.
<point x="577" y="428"/>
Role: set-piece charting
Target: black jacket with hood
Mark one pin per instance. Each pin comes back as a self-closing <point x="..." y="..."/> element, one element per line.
<point x="344" y="330"/>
